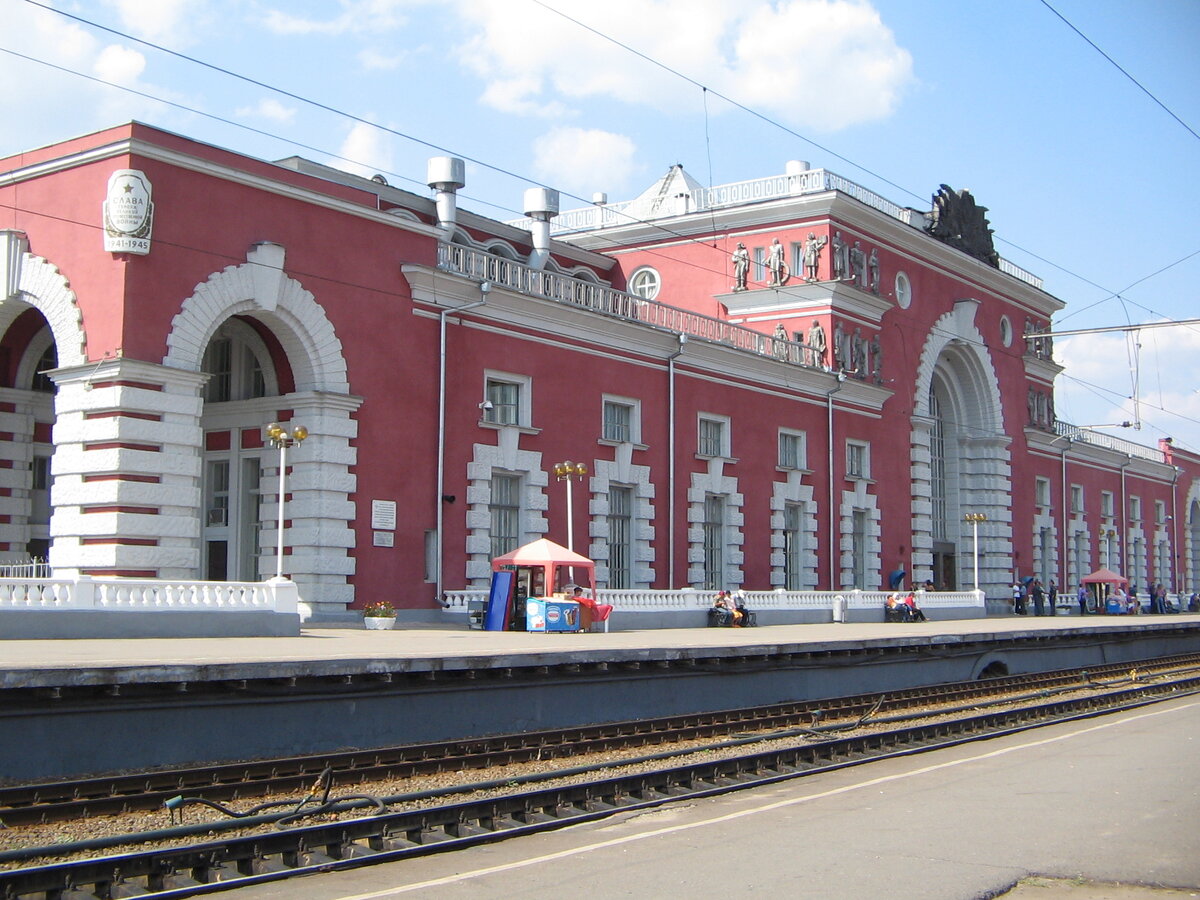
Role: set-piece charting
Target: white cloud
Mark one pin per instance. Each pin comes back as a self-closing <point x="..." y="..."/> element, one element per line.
<point x="356" y="17"/>
<point x="46" y="94"/>
<point x="823" y="64"/>
<point x="118" y="64"/>
<point x="268" y="108"/>
<point x="365" y="151"/>
<point x="584" y="159"/>
<point x="376" y="60"/>
<point x="169" y="22"/>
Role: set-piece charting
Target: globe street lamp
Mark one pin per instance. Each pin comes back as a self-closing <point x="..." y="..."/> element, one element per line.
<point x="975" y="519"/>
<point x="568" y="471"/>
<point x="283" y="438"/>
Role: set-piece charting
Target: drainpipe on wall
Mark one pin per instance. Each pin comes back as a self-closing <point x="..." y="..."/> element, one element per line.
<point x="1175" y="585"/>
<point x="671" y="462"/>
<point x="1062" y="562"/>
<point x="833" y="550"/>
<point x="541" y="205"/>
<point x="484" y="289"/>
<point x="1123" y="537"/>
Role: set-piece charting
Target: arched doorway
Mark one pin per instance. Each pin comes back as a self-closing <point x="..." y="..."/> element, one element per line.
<point x="959" y="455"/>
<point x="241" y="370"/>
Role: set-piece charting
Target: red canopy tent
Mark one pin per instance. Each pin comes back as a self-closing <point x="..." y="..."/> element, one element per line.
<point x="552" y="569"/>
<point x="1105" y="576"/>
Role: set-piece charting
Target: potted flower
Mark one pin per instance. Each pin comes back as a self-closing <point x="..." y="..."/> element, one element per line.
<point x="379" y="616"/>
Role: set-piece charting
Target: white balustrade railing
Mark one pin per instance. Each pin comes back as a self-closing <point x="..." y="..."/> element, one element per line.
<point x="483" y="266"/>
<point x="685" y="599"/>
<point x="772" y="187"/>
<point x="146" y="595"/>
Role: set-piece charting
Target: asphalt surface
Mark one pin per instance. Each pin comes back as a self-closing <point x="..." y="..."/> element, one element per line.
<point x="1108" y="807"/>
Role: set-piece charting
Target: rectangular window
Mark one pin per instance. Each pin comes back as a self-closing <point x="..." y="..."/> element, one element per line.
<point x="714" y="542"/>
<point x="504" y="398"/>
<point x="797" y="259"/>
<point x="218" y="363"/>
<point x="217" y="488"/>
<point x="620" y="531"/>
<point x="712" y="439"/>
<point x="1106" y="504"/>
<point x="858" y="460"/>
<point x="793" y="546"/>
<point x="1160" y="512"/>
<point x="1076" y="498"/>
<point x="760" y="264"/>
<point x="1135" y="509"/>
<point x="505" y="510"/>
<point x="792" y="451"/>
<point x="618" y="421"/>
<point x="1042" y="492"/>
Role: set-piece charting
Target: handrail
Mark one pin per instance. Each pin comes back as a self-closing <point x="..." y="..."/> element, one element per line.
<point x="483" y="266"/>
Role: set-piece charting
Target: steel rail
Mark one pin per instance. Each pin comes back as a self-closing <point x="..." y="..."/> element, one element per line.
<point x="119" y="794"/>
<point x="165" y="874"/>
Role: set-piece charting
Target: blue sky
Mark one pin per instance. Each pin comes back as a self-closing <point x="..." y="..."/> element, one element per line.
<point x="1090" y="183"/>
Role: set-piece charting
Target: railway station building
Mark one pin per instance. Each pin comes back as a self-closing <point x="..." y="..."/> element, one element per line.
<point x="789" y="383"/>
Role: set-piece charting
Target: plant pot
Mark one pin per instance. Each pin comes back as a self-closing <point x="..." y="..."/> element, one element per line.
<point x="379" y="623"/>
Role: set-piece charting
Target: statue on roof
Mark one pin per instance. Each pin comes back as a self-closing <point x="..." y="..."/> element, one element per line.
<point x="958" y="221"/>
<point x="741" y="267"/>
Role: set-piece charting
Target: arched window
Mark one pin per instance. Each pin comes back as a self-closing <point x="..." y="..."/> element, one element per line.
<point x="236" y="359"/>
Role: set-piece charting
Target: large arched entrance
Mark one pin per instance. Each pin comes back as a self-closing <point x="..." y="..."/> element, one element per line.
<point x="960" y="458"/>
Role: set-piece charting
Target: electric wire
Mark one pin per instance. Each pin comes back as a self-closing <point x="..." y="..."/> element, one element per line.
<point x="439" y="148"/>
<point x="1122" y="70"/>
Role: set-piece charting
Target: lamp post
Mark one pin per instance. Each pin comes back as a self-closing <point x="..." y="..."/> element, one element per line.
<point x="975" y="519"/>
<point x="568" y="471"/>
<point x="283" y="438"/>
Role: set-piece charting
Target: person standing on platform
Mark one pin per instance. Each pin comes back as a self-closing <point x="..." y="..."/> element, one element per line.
<point x="1082" y="597"/>
<point x="1039" y="598"/>
<point x="1018" y="599"/>
<point x="1052" y="596"/>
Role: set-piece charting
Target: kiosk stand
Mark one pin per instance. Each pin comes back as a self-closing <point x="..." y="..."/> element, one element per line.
<point x="532" y="586"/>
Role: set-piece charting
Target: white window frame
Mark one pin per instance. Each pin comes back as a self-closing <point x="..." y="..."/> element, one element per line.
<point x="798" y="442"/>
<point x="1041" y="488"/>
<point x="1077" y="498"/>
<point x="1106" y="504"/>
<point x="1160" y="512"/>
<point x="524" y="385"/>
<point x="635" y="418"/>
<point x="858" y="459"/>
<point x="645" y="282"/>
<point x="703" y="444"/>
<point x="1135" y="509"/>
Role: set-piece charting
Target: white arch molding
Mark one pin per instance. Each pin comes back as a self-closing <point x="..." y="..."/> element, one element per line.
<point x="321" y="483"/>
<point x="956" y="354"/>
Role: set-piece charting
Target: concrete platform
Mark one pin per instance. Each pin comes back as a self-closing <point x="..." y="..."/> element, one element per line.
<point x="46" y="663"/>
<point x="74" y="703"/>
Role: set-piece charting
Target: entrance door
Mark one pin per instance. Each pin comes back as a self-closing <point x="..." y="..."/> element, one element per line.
<point x="232" y="519"/>
<point x="945" y="566"/>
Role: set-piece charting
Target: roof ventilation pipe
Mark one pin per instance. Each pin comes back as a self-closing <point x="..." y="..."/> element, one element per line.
<point x="446" y="174"/>
<point x="541" y="205"/>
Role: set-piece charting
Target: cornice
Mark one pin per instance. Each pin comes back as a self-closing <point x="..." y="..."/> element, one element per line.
<point x="137" y="147"/>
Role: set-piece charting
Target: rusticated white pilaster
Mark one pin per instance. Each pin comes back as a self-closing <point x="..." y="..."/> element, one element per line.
<point x="126" y="469"/>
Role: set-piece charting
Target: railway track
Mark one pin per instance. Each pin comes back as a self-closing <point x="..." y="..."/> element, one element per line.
<point x="244" y="859"/>
<point x="117" y="794"/>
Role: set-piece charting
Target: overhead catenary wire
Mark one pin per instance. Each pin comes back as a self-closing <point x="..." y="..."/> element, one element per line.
<point x="359" y="119"/>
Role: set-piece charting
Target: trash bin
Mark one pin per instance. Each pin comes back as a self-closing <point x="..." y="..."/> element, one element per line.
<point x="839" y="608"/>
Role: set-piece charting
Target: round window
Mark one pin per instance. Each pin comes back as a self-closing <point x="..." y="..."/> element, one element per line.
<point x="903" y="290"/>
<point x="1006" y="332"/>
<point x="645" y="283"/>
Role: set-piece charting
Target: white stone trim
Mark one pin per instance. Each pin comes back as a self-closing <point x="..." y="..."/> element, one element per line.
<point x="506" y="457"/>
<point x="714" y="481"/>
<point x="621" y="471"/>
<point x="793" y="490"/>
